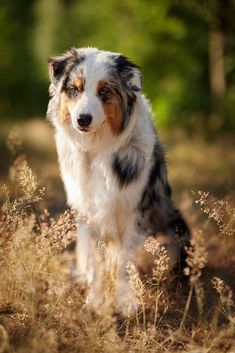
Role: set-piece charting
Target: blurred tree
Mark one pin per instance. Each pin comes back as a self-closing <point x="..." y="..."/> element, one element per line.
<point x="186" y="50"/>
<point x="17" y="65"/>
<point x="47" y="16"/>
<point x="215" y="20"/>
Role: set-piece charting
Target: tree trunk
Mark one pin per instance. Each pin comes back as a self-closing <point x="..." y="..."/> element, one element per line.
<point x="217" y="77"/>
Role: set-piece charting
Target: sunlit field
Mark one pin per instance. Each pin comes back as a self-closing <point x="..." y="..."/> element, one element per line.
<point x="42" y="304"/>
<point x="185" y="51"/>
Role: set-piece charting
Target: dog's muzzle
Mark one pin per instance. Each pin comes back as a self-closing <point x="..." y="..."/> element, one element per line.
<point x="84" y="121"/>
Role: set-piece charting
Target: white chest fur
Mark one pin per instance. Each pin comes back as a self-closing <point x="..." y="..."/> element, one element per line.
<point x="93" y="191"/>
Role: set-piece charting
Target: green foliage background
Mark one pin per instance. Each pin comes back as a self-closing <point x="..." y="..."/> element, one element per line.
<point x="167" y="38"/>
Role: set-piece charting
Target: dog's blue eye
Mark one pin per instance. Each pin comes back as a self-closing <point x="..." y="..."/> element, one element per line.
<point x="73" y="90"/>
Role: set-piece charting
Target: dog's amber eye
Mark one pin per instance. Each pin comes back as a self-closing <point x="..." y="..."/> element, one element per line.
<point x="104" y="93"/>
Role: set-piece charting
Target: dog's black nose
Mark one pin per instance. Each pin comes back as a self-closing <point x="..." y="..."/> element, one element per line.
<point x="84" y="120"/>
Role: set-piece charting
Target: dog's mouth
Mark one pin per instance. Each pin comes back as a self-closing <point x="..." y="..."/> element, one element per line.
<point x="87" y="129"/>
<point x="83" y="129"/>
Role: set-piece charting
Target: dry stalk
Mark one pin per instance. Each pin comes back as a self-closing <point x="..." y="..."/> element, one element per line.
<point x="196" y="261"/>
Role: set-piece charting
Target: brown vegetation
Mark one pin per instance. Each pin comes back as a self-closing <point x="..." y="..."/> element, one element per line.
<point x="42" y="306"/>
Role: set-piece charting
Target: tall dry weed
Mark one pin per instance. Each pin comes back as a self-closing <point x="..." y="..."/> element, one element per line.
<point x="161" y="259"/>
<point x="220" y="211"/>
<point x="196" y="261"/>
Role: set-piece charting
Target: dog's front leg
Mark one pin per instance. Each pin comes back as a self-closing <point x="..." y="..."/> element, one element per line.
<point x="88" y="262"/>
<point x="86" y="243"/>
<point x="127" y="301"/>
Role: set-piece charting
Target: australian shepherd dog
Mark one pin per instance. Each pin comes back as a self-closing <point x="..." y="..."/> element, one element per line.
<point x="113" y="168"/>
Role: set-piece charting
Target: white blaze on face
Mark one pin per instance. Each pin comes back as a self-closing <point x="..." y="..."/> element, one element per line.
<point x="88" y="104"/>
<point x="93" y="71"/>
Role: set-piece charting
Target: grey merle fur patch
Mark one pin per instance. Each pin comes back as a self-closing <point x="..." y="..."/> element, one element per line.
<point x="156" y="209"/>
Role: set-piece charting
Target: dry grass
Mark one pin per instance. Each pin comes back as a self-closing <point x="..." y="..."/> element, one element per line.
<point x="42" y="306"/>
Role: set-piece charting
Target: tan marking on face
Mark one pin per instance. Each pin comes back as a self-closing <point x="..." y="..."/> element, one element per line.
<point x="65" y="104"/>
<point x="78" y="82"/>
<point x="112" y="108"/>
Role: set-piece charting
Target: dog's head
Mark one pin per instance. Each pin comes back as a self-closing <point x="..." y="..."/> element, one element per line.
<point x="93" y="88"/>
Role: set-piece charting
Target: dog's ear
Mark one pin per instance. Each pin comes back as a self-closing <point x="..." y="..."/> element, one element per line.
<point x="57" y="67"/>
<point x="129" y="72"/>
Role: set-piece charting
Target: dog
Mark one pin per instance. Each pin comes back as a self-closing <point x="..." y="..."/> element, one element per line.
<point x="113" y="166"/>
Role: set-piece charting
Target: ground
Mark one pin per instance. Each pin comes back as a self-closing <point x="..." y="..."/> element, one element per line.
<point x="41" y="308"/>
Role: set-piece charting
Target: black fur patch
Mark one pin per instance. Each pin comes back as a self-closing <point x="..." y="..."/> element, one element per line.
<point x="58" y="67"/>
<point x="154" y="173"/>
<point x="178" y="225"/>
<point x="125" y="170"/>
<point x="149" y="197"/>
<point x="123" y="63"/>
<point x="159" y="170"/>
<point x="182" y="231"/>
<point x="158" y="158"/>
